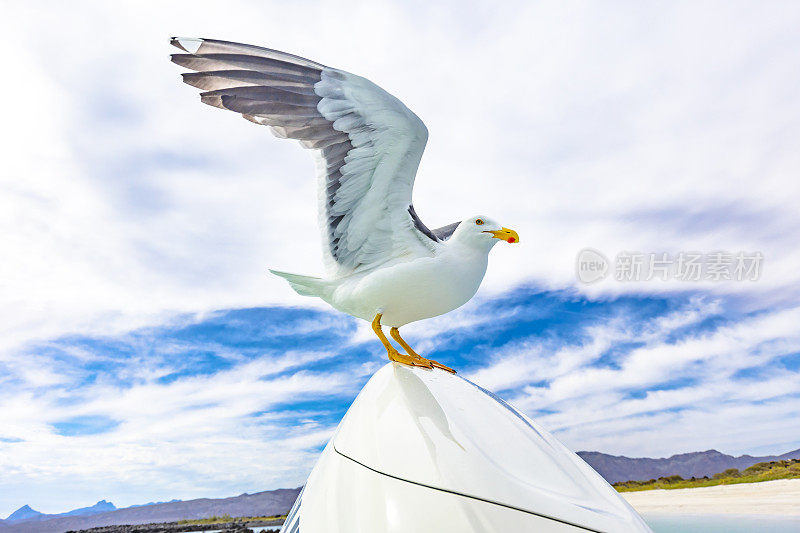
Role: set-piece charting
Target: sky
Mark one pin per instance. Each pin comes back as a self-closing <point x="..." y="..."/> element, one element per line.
<point x="146" y="354"/>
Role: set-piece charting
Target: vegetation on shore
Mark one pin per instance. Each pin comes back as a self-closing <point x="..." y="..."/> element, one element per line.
<point x="225" y="523"/>
<point x="225" y="519"/>
<point x="758" y="472"/>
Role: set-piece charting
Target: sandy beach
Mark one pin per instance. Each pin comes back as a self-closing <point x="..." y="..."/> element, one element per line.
<point x="781" y="497"/>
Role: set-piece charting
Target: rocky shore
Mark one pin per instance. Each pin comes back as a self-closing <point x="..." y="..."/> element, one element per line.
<point x="175" y="527"/>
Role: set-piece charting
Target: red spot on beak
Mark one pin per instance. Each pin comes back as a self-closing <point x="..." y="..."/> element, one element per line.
<point x="511" y="239"/>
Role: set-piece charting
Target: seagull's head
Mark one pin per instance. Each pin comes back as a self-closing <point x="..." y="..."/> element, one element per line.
<point x="483" y="233"/>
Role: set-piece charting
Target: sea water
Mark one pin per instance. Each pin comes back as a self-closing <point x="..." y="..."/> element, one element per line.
<point x="669" y="523"/>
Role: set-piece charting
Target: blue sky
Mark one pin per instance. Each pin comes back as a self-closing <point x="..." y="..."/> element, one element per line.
<point x="145" y="354"/>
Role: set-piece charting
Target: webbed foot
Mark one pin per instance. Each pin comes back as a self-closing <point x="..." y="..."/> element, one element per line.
<point x="409" y="360"/>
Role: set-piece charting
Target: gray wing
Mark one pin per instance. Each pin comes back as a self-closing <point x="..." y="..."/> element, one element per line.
<point x="438" y="234"/>
<point x="445" y="232"/>
<point x="369" y="142"/>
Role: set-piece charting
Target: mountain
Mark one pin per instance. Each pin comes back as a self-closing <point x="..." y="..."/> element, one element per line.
<point x="26" y="514"/>
<point x="259" y="504"/>
<point x="100" y="507"/>
<point x="616" y="468"/>
<point x="150" y="503"/>
<point x="22" y="514"/>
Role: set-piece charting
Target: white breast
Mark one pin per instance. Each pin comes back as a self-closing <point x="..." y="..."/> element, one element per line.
<point x="414" y="290"/>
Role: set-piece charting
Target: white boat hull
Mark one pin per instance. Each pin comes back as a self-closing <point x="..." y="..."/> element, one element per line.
<point x="426" y="451"/>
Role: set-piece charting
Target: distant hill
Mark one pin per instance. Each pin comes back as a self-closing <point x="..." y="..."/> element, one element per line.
<point x="100" y="507"/>
<point x="150" y="503"/>
<point x="22" y="514"/>
<point x="267" y="503"/>
<point x="615" y="468"/>
<point x="26" y="514"/>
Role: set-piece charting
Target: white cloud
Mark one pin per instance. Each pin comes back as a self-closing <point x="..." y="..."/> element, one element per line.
<point x="534" y="358"/>
<point x="192" y="437"/>
<point x="693" y="388"/>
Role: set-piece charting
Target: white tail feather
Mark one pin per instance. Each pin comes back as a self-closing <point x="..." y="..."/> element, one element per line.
<point x="304" y="285"/>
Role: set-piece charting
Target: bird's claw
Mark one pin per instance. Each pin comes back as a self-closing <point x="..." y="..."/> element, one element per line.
<point x="418" y="361"/>
<point x="430" y="363"/>
<point x="409" y="360"/>
<point x="436" y="364"/>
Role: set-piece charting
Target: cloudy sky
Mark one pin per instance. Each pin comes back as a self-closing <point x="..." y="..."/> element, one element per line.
<point x="146" y="355"/>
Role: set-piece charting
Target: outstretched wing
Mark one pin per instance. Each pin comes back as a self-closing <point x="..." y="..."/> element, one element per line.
<point x="369" y="143"/>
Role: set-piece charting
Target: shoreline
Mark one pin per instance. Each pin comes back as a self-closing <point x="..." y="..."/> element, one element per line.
<point x="233" y="526"/>
<point x="779" y="498"/>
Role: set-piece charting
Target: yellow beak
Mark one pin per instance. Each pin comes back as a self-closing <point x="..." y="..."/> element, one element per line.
<point x="508" y="235"/>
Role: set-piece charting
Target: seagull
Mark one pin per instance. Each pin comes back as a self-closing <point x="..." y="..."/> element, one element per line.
<point x="382" y="263"/>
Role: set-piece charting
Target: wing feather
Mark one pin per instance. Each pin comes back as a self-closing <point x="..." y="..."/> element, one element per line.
<point x="369" y="144"/>
<point x="266" y="93"/>
<point x="445" y="232"/>
<point x="226" y="79"/>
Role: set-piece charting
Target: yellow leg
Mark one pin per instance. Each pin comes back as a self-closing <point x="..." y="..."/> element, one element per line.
<point x="430" y="363"/>
<point x="419" y="360"/>
<point x="394" y="355"/>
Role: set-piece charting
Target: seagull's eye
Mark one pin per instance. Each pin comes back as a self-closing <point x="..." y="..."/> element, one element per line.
<point x="479" y="221"/>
